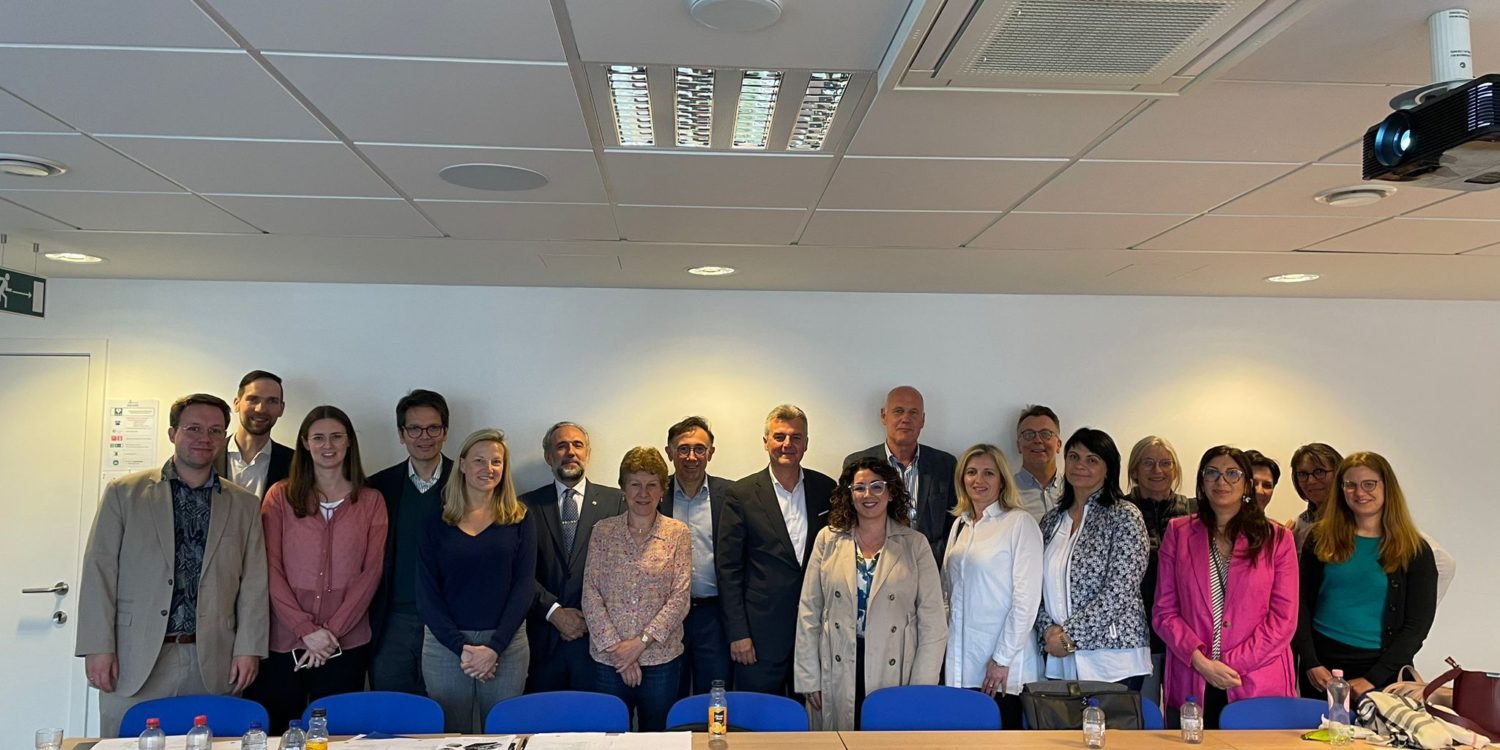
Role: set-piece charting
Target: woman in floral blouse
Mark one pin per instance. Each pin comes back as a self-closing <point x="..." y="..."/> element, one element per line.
<point x="635" y="594"/>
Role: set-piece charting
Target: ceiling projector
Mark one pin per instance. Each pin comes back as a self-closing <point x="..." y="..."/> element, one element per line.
<point x="1451" y="140"/>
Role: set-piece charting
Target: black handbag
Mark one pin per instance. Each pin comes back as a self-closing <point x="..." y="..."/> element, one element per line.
<point x="1058" y="704"/>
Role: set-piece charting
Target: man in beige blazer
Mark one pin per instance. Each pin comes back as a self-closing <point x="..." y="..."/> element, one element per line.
<point x="173" y="598"/>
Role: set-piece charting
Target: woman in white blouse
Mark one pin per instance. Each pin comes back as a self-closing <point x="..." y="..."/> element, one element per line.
<point x="992" y="581"/>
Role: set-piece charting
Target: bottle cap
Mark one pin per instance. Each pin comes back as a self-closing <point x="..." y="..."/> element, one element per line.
<point x="317" y="712"/>
<point x="199" y="721"/>
<point x="1093" y="703"/>
<point x="153" y="723"/>
<point x="294" y="724"/>
<point x="255" y="725"/>
<point x="1192" y="699"/>
<point x="717" y="684"/>
<point x="1338" y="673"/>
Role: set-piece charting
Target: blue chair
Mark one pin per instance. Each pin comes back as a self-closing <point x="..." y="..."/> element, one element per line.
<point x="227" y="715"/>
<point x="748" y="712"/>
<point x="559" y="711"/>
<point x="379" y="711"/>
<point x="1151" y="714"/>
<point x="916" y="708"/>
<point x="1273" y="713"/>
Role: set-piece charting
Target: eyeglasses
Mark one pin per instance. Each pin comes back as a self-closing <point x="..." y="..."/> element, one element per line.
<point x="1030" y="435"/>
<point x="1211" y="475"/>
<point x="1318" y="474"/>
<point x="873" y="488"/>
<point x="199" y="432"/>
<point x="1368" y="485"/>
<point x="683" y="451"/>
<point x="1164" y="464"/>
<point x="414" y="431"/>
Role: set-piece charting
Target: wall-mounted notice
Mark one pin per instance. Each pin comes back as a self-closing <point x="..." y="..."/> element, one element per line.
<point x="129" y="438"/>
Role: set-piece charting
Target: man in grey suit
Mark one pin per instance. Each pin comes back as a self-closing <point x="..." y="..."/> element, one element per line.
<point x="173" y="598"/>
<point x="565" y="511"/>
<point x="696" y="499"/>
<point x="926" y="471"/>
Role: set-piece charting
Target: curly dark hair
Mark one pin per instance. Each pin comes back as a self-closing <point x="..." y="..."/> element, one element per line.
<point x="841" y="505"/>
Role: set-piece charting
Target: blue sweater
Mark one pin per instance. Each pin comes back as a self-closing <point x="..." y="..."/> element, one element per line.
<point x="483" y="582"/>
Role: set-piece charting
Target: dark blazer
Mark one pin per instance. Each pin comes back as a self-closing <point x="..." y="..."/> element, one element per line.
<point x="718" y="489"/>
<point x="760" y="580"/>
<point x="936" y="498"/>
<point x="280" y="468"/>
<point x="391" y="483"/>
<point x="559" y="575"/>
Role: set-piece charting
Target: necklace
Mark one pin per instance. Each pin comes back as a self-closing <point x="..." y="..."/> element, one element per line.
<point x="859" y="537"/>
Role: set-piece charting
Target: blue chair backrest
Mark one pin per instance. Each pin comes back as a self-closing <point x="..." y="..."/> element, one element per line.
<point x="1150" y="714"/>
<point x="1273" y="713"/>
<point x="560" y="711"/>
<point x="379" y="711"/>
<point x="915" y="708"/>
<point x="750" y="712"/>
<point x="227" y="715"/>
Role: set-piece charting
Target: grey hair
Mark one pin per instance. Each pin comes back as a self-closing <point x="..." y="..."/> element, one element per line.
<point x="784" y="413"/>
<point x="547" y="438"/>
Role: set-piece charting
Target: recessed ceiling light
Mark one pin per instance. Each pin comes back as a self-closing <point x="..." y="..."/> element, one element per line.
<point x="757" y="106"/>
<point x="1292" y="278"/>
<point x="1354" y="195"/>
<point x="630" y="97"/>
<point x="711" y="271"/>
<point x="736" y="15"/>
<point x="30" y="166"/>
<point x="815" y="116"/>
<point x="73" y="257"/>
<point x="493" y="177"/>
<point x="695" y="107"/>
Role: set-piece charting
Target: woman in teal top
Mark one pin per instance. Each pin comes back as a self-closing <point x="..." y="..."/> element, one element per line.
<point x="1369" y="582"/>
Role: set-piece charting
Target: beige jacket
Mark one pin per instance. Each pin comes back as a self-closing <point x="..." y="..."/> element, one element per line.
<point x="906" y="629"/>
<point x="126" y="588"/>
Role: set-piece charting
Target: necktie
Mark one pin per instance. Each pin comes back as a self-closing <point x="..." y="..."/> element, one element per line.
<point x="569" y="518"/>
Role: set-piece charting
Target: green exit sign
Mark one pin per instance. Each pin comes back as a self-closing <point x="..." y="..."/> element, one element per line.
<point x="22" y="293"/>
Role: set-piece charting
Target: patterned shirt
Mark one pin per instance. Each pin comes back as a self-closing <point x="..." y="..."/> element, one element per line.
<point x="190" y="514"/>
<point x="864" y="578"/>
<point x="632" y="588"/>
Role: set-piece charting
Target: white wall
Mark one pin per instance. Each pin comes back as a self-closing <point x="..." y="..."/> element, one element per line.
<point x="1416" y="381"/>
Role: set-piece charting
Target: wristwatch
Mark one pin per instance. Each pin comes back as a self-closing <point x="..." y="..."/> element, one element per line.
<point x="1068" y="644"/>
<point x="646" y="639"/>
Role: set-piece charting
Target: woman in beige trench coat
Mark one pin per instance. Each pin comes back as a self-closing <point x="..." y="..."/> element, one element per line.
<point x="871" y="598"/>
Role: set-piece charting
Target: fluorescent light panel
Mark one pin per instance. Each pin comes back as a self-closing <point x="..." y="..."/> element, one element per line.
<point x="815" y="116"/>
<point x="757" y="106"/>
<point x="631" y="99"/>
<point x="695" y="107"/>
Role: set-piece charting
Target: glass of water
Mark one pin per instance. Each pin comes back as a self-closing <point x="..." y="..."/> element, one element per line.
<point x="49" y="739"/>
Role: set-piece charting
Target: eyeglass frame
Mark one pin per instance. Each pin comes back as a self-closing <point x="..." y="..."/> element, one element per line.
<point x="1210" y="475"/>
<point x="877" y="487"/>
<point x="1368" y="485"/>
<point x="1030" y="435"/>
<point x="416" y="431"/>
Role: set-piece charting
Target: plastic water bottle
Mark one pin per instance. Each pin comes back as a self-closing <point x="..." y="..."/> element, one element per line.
<point x="1191" y="718"/>
<point x="1093" y="725"/>
<point x="200" y="737"/>
<point x="317" y="730"/>
<point x="718" y="711"/>
<point x="153" y="738"/>
<point x="1339" y="731"/>
<point x="254" y="739"/>
<point x="294" y="739"/>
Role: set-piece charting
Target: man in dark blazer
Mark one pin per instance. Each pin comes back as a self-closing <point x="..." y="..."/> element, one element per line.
<point x="565" y="511"/>
<point x="696" y="499"/>
<point x="413" y="492"/>
<point x="767" y="527"/>
<point x="251" y="459"/>
<point x="927" y="471"/>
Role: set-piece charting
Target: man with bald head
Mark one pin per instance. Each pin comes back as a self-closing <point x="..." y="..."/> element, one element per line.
<point x="926" y="471"/>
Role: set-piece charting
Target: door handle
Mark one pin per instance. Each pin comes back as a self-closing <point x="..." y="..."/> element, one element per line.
<point x="60" y="588"/>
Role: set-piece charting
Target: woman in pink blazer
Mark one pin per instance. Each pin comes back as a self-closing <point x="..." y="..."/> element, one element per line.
<point x="1226" y="596"/>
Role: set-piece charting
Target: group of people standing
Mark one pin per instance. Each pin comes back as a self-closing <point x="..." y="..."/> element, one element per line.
<point x="285" y="573"/>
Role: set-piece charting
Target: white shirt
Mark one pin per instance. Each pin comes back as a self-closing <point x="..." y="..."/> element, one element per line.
<point x="252" y="474"/>
<point x="992" y="578"/>
<point x="1038" y="498"/>
<point x="423" y="485"/>
<point x="909" y="477"/>
<point x="1104" y="664"/>
<point x="793" y="504"/>
<point x="329" y="508"/>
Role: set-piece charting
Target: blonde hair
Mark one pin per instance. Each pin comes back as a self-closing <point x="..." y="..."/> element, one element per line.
<point x="1138" y="453"/>
<point x="1400" y="541"/>
<point x="1009" y="498"/>
<point x="508" y="508"/>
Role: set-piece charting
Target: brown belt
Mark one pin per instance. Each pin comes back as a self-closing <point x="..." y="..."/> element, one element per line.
<point x="182" y="638"/>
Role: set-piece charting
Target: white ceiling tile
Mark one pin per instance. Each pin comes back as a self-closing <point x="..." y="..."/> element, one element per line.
<point x="753" y="226"/>
<point x="1351" y="154"/>
<point x="442" y="102"/>
<point x="819" y="34"/>
<point x="1149" y="187"/>
<point x="970" y="123"/>
<point x="521" y="221"/>
<point x="1026" y="231"/>
<point x="935" y="184"/>
<point x="572" y="176"/>
<point x="1481" y="204"/>
<point x="130" y="212"/>
<point x="13" y="217"/>
<point x="265" y="167"/>
<point x="17" y="116"/>
<point x="1292" y="195"/>
<point x="158" y="93"/>
<point x="342" y="217"/>
<point x="512" y="30"/>
<point x="894" y="228"/>
<point x="1249" y="122"/>
<point x="744" y="180"/>
<point x="138" y="23"/>
<point x="1417" y="236"/>
<point x="90" y="165"/>
<point x="1254" y="233"/>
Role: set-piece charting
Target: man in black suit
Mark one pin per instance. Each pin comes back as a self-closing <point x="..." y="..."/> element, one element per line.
<point x="766" y="532"/>
<point x="565" y="511"/>
<point x="413" y="492"/>
<point x="251" y="459"/>
<point x="926" y="471"/>
<point x="696" y="499"/>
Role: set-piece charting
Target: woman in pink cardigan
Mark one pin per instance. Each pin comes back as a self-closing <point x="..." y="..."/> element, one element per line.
<point x="1226" y="595"/>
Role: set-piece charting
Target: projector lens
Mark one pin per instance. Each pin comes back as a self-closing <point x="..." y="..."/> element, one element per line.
<point x="1392" y="139"/>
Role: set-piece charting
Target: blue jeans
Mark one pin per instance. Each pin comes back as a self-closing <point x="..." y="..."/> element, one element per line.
<point x="652" y="699"/>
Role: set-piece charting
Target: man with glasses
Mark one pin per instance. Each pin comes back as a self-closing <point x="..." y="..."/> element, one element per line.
<point x="251" y="459"/>
<point x="695" y="498"/>
<point x="926" y="471"/>
<point x="171" y="602"/>
<point x="1038" y="441"/>
<point x="413" y="492"/>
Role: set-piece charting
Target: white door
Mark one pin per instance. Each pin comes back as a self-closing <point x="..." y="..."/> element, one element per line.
<point x="44" y="408"/>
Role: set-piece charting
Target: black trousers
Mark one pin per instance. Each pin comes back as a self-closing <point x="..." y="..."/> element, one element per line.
<point x="568" y="667"/>
<point x="1214" y="701"/>
<point x="769" y="674"/>
<point x="396" y="663"/>
<point x="705" y="648"/>
<point x="859" y="680"/>
<point x="286" y="692"/>
<point x="1355" y="662"/>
